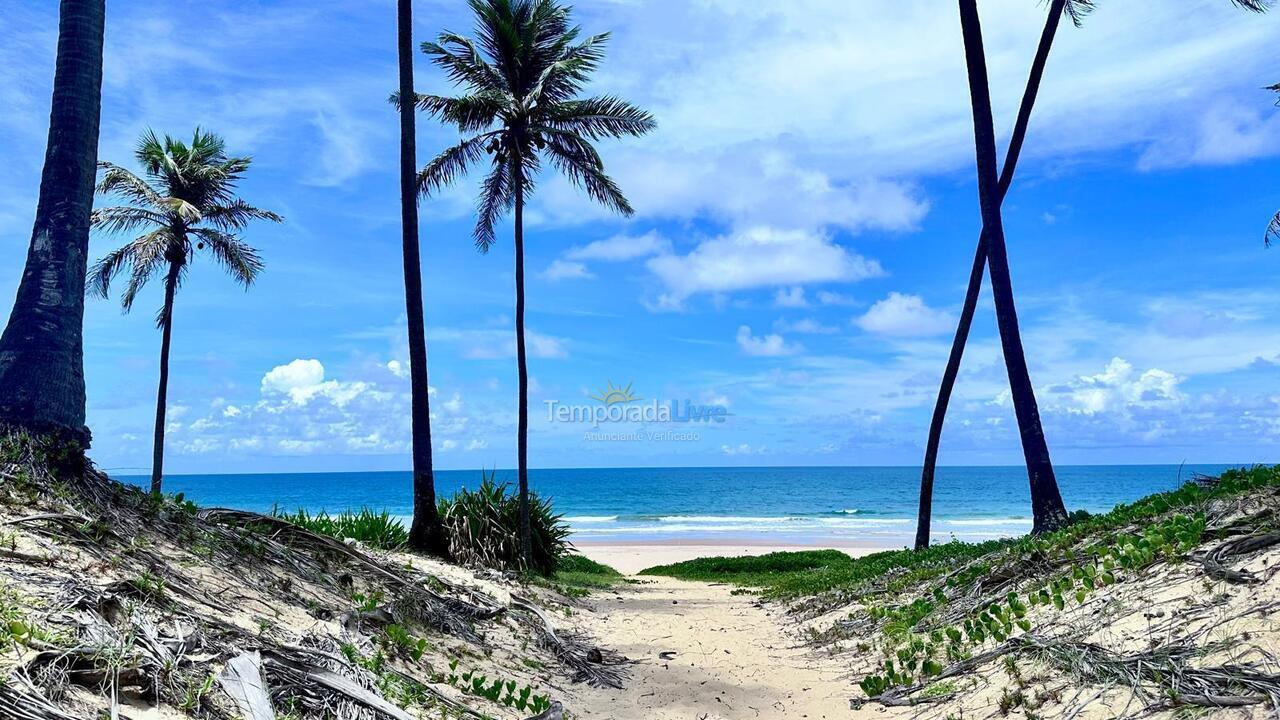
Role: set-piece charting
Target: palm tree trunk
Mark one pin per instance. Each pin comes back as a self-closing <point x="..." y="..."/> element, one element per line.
<point x="426" y="532"/>
<point x="976" y="272"/>
<point x="1047" y="509"/>
<point x="522" y="441"/>
<point x="42" y="350"/>
<point x="162" y="393"/>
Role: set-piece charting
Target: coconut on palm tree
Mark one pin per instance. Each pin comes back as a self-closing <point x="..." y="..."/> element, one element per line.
<point x="183" y="204"/>
<point x="523" y="74"/>
<point x="42" y="349"/>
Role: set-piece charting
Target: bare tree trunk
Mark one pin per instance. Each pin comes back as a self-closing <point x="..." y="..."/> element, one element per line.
<point x="1047" y="510"/>
<point x="426" y="532"/>
<point x="162" y="393"/>
<point x="522" y="442"/>
<point x="975" y="275"/>
<point x="42" y="349"/>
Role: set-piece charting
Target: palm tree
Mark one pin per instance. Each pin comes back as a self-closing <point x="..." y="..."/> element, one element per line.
<point x="185" y="204"/>
<point x="426" y="532"/>
<point x="1047" y="509"/>
<point x="42" y="350"/>
<point x="523" y="75"/>
<point x="1273" y="230"/>
<point x="1076" y="10"/>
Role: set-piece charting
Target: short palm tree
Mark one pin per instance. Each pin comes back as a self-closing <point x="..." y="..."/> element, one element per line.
<point x="523" y="74"/>
<point x="186" y="204"/>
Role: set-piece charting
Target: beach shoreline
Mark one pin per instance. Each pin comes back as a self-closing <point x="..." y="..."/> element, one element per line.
<point x="631" y="556"/>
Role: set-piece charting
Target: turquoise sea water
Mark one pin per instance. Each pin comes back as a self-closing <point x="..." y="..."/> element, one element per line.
<point x="803" y="505"/>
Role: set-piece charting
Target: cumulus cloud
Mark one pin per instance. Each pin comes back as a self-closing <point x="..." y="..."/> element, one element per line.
<point x="758" y="257"/>
<point x="904" y="316"/>
<point x="1119" y="386"/>
<point x="771" y="345"/>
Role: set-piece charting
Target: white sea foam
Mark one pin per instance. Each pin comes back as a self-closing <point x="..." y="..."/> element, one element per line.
<point x="591" y="519"/>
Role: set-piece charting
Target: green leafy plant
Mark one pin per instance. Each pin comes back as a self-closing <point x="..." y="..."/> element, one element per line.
<point x="483" y="527"/>
<point x="375" y="529"/>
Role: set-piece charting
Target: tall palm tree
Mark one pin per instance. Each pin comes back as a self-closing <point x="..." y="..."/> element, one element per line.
<point x="42" y="350"/>
<point x="426" y="532"/>
<point x="523" y="75"/>
<point x="1273" y="230"/>
<point x="1047" y="509"/>
<point x="1075" y="9"/>
<point x="186" y="204"/>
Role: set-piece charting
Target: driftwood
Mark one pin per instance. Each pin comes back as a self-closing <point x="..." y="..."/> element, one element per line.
<point x="305" y="674"/>
<point x="1214" y="561"/>
<point x="596" y="667"/>
<point x="242" y="680"/>
<point x="20" y="700"/>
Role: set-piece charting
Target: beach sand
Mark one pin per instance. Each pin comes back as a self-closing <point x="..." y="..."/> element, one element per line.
<point x="632" y="557"/>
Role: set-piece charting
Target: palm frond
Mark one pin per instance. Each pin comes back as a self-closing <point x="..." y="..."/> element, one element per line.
<point x="125" y="219"/>
<point x="1252" y="5"/>
<point x="452" y="163"/>
<point x="470" y="113"/>
<point x="464" y="63"/>
<point x="578" y="160"/>
<point x="1273" y="231"/>
<point x="239" y="258"/>
<point x="142" y="256"/>
<point x="600" y="117"/>
<point x="1077" y="10"/>
<point x="237" y="214"/>
<point x="564" y="76"/>
<point x="122" y="183"/>
<point x="497" y="195"/>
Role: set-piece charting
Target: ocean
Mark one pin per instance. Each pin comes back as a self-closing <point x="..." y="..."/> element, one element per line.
<point x="774" y="505"/>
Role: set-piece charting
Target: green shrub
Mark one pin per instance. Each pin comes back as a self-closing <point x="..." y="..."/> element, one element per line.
<point x="483" y="526"/>
<point x="376" y="529"/>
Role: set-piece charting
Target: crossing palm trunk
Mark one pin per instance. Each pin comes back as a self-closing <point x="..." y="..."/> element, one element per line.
<point x="426" y="532"/>
<point x="974" y="288"/>
<point x="42" y="348"/>
<point x="162" y="392"/>
<point x="1048" y="511"/>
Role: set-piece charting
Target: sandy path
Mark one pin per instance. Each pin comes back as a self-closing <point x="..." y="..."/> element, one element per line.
<point x="732" y="658"/>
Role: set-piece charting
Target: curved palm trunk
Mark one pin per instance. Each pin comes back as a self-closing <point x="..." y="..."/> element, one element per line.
<point x="522" y="441"/>
<point x="42" y="349"/>
<point x="976" y="272"/>
<point x="162" y="393"/>
<point x="1047" y="509"/>
<point x="426" y="532"/>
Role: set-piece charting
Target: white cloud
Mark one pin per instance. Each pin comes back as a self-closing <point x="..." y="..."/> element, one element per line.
<point x="904" y="316"/>
<point x="792" y="297"/>
<point x="477" y="444"/>
<point x="566" y="270"/>
<point x="1120" y="386"/>
<point x="771" y="345"/>
<point x="758" y="257"/>
<point x="742" y="449"/>
<point x="620" y="247"/>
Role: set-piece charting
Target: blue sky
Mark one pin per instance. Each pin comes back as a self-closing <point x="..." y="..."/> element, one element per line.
<point x="806" y="214"/>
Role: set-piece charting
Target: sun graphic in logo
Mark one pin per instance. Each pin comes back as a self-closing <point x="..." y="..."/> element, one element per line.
<point x="613" y="395"/>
